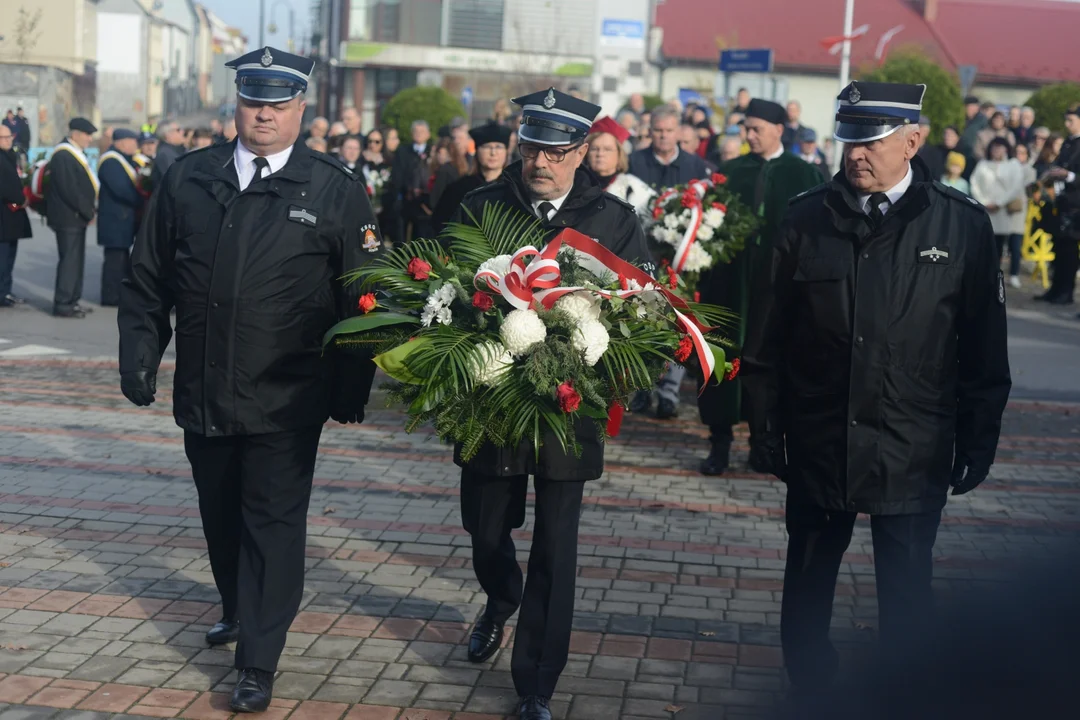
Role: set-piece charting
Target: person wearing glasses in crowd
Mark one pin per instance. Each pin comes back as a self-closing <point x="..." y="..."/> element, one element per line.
<point x="551" y="184"/>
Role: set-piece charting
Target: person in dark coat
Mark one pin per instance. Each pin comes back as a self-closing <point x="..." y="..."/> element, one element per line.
<point x="171" y="147"/>
<point x="118" y="207"/>
<point x="765" y="179"/>
<point x="1064" y="175"/>
<point x="878" y="361"/>
<point x="930" y="154"/>
<point x="409" y="185"/>
<point x="247" y="242"/>
<point x="14" y="222"/>
<point x="551" y="183"/>
<point x="492" y="145"/>
<point x="70" y="202"/>
<point x="663" y="164"/>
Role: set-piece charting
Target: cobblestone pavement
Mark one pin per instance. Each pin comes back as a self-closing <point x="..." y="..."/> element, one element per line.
<point x="106" y="592"/>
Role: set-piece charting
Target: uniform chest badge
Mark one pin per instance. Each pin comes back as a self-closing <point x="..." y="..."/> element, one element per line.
<point x="302" y="216"/>
<point x="371" y="240"/>
<point x="934" y="255"/>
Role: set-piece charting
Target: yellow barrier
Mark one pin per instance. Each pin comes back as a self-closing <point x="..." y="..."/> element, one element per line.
<point x="1038" y="245"/>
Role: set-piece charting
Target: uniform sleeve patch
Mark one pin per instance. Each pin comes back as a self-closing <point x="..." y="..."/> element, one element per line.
<point x="371" y="238"/>
<point x="1001" y="288"/>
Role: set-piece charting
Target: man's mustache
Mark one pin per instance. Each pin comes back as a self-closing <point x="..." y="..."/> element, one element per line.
<point x="541" y="174"/>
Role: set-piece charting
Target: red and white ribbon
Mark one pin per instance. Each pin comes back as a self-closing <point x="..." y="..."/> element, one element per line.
<point x="538" y="282"/>
<point x="696" y="192"/>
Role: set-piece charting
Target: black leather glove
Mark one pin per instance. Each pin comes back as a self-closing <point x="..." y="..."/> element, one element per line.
<point x="767" y="455"/>
<point x="346" y="415"/>
<point x="966" y="482"/>
<point x="139" y="386"/>
<point x="351" y="387"/>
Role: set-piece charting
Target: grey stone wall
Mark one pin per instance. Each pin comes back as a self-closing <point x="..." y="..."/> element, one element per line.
<point x="57" y="96"/>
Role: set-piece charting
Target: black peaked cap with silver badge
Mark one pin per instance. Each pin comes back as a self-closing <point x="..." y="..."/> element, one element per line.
<point x="270" y="75"/>
<point x="869" y="111"/>
<point x="550" y="117"/>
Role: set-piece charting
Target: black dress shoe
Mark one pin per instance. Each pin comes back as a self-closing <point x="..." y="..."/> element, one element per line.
<point x="485" y="639"/>
<point x="641" y="402"/>
<point x="1061" y="301"/>
<point x="665" y="409"/>
<point x="226" y="631"/>
<point x="253" y="691"/>
<point x="534" y="707"/>
<point x="77" y="314"/>
<point x="718" y="461"/>
<point x="14" y="299"/>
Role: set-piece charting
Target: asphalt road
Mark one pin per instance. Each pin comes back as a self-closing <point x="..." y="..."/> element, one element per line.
<point x="1044" y="345"/>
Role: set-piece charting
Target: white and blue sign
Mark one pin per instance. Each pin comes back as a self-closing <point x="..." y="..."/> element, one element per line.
<point x="623" y="33"/>
<point x="747" y="61"/>
<point x="689" y="96"/>
<point x="466" y="96"/>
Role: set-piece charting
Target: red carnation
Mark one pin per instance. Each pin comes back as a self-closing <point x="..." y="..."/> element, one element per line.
<point x="367" y="303"/>
<point x="624" y="283"/>
<point x="721" y="207"/>
<point x="569" y="400"/>
<point x="689" y="198"/>
<point x="719" y="178"/>
<point x="686" y="346"/>
<point x="697" y="296"/>
<point x="418" y="269"/>
<point x="673" y="278"/>
<point x="734" y="371"/>
<point x="657" y="212"/>
<point x="482" y="301"/>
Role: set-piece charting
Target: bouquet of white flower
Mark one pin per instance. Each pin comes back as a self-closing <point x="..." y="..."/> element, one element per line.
<point x="495" y="340"/>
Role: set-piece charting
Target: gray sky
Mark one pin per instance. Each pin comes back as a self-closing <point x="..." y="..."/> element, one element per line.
<point x="244" y="14"/>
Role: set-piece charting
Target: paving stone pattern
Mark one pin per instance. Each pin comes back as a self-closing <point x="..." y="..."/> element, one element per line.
<point x="106" y="591"/>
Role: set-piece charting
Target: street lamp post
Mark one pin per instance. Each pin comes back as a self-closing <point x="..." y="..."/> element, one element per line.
<point x="845" y="71"/>
<point x="273" y="24"/>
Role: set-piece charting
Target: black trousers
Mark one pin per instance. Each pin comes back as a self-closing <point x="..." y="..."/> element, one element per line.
<point x="1066" y="263"/>
<point x="71" y="247"/>
<point x="114" y="266"/>
<point x="903" y="565"/>
<point x="253" y="497"/>
<point x="490" y="508"/>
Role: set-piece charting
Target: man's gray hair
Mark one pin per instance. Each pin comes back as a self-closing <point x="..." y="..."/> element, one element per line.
<point x="420" y="124"/>
<point x="1027" y="108"/>
<point x="665" y="111"/>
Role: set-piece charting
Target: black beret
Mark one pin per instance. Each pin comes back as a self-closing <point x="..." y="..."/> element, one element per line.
<point x="491" y="132"/>
<point x="767" y="111"/>
<point x="82" y="125"/>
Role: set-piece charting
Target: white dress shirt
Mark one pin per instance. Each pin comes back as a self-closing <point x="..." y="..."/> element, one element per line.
<point x="778" y="153"/>
<point x="556" y="203"/>
<point x="244" y="160"/>
<point x="668" y="162"/>
<point x="894" y="194"/>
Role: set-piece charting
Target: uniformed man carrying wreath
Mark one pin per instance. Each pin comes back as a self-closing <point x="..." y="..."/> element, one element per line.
<point x="877" y="359"/>
<point x="552" y="183"/>
<point x="247" y="241"/>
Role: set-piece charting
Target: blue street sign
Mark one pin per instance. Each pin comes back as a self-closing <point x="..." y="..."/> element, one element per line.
<point x="747" y="61"/>
<point x="466" y="96"/>
<point x="628" y="29"/>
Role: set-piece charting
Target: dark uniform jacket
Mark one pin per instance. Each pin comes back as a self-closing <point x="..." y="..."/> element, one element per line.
<point x="253" y="276"/>
<point x="878" y="351"/>
<point x="684" y="168"/>
<point x="409" y="181"/>
<point x="118" y="203"/>
<point x="605" y="218"/>
<point x="1068" y="202"/>
<point x="70" y="196"/>
<point x="14" y="224"/>
<point x="451" y="198"/>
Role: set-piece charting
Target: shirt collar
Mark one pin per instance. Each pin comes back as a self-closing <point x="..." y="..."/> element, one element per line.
<point x="778" y="153"/>
<point x="557" y="203"/>
<point x="672" y="161"/>
<point x="244" y="157"/>
<point x="894" y="194"/>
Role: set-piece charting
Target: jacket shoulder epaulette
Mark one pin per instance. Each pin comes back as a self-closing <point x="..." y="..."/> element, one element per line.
<point x="336" y="164"/>
<point x="805" y="194"/>
<point x="957" y="196"/>
<point x="620" y="201"/>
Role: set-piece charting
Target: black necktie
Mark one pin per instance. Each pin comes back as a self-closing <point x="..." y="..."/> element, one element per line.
<point x="544" y="210"/>
<point x="876" y="213"/>
<point x="260" y="163"/>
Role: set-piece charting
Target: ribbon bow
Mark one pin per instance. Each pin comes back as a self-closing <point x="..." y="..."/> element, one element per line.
<point x="520" y="283"/>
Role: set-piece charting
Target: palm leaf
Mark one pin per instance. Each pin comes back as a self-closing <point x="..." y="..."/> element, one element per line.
<point x="500" y="230"/>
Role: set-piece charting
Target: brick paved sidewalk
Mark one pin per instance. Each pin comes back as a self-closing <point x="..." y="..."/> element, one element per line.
<point x="106" y="592"/>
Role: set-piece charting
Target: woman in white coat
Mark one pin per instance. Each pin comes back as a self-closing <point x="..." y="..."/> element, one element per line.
<point x="609" y="160"/>
<point x="998" y="183"/>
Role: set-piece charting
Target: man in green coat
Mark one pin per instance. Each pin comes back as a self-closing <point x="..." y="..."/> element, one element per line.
<point x="766" y="179"/>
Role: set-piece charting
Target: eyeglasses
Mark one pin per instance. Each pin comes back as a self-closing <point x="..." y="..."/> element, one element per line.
<point x="374" y="142"/>
<point x="553" y="155"/>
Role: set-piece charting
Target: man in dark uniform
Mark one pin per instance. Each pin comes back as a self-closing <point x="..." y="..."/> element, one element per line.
<point x="118" y="207"/>
<point x="765" y="179"/>
<point x="70" y="202"/>
<point x="551" y="183"/>
<point x="492" y="145"/>
<point x="247" y="241"/>
<point x="879" y="358"/>
<point x="1065" y="176"/>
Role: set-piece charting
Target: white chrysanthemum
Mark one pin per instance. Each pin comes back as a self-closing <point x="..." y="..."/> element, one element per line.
<point x="685" y="215"/>
<point x="697" y="259"/>
<point x="500" y="265"/>
<point x="671" y="220"/>
<point x="659" y="232"/>
<point x="445" y="295"/>
<point x="521" y="331"/>
<point x="714" y="217"/>
<point x="591" y="338"/>
<point x="705" y="232"/>
<point x="427" y="315"/>
<point x="442" y="316"/>
<point x="580" y="307"/>
<point x="492" y="361"/>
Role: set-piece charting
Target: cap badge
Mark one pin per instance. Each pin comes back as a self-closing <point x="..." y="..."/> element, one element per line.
<point x="267" y="59"/>
<point x="854" y="96"/>
<point x="549" y="101"/>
